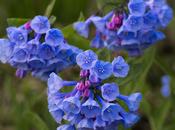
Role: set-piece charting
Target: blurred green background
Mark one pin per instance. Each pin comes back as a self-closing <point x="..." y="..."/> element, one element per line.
<point x="23" y="103"/>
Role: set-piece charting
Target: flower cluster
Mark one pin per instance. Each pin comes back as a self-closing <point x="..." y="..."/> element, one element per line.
<point x="92" y="104"/>
<point x="36" y="47"/>
<point x="132" y="30"/>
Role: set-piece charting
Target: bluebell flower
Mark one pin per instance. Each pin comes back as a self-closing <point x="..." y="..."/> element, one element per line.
<point x="132" y="101"/>
<point x="129" y="119"/>
<point x="150" y="19"/>
<point x="40" y="24"/>
<point x="54" y="37"/>
<point x="73" y="118"/>
<point x="100" y="22"/>
<point x="137" y="7"/>
<point x="35" y="47"/>
<point x="165" y="89"/>
<point x="97" y="41"/>
<point x="85" y="59"/>
<point x="55" y="83"/>
<point x="91" y="103"/>
<point x="72" y="105"/>
<point x="45" y="51"/>
<point x="120" y="67"/>
<point x="110" y="91"/>
<point x="99" y="122"/>
<point x="6" y="49"/>
<point x="20" y="55"/>
<point x="134" y="23"/>
<point x="110" y="112"/>
<point x="102" y="69"/>
<point x="66" y="127"/>
<point x="85" y="124"/>
<point x="90" y="108"/>
<point x="17" y="35"/>
<point x="151" y="36"/>
<point x="165" y="15"/>
<point x="122" y="30"/>
<point x="83" y="27"/>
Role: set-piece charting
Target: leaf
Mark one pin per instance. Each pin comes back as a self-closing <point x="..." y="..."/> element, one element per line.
<point x="17" y="21"/>
<point x="81" y="17"/>
<point x="163" y="114"/>
<point x="50" y="8"/>
<point x="52" y="19"/>
<point x="159" y="61"/>
<point x="33" y="120"/>
<point x="74" y="39"/>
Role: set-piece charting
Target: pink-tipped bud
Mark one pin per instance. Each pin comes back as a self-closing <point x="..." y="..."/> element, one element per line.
<point x="116" y="22"/>
<point x="81" y="86"/>
<point x="87" y="84"/>
<point x="27" y="25"/>
<point x="86" y="93"/>
<point x="84" y="73"/>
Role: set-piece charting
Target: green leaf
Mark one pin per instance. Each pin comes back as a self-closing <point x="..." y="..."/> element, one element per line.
<point x="164" y="110"/>
<point x="17" y="21"/>
<point x="52" y="19"/>
<point x="81" y="17"/>
<point x="50" y="8"/>
<point x="74" y="39"/>
<point x="33" y="120"/>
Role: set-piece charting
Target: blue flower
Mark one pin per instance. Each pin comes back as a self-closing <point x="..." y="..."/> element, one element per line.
<point x="120" y="67"/>
<point x="99" y="122"/>
<point x="165" y="90"/>
<point x="110" y="112"/>
<point x="165" y="15"/>
<point x="17" y="35"/>
<point x="100" y="22"/>
<point x="85" y="124"/>
<point x="134" y="23"/>
<point x="132" y="101"/>
<point x="66" y="127"/>
<point x="6" y="50"/>
<point x="54" y="37"/>
<point x="82" y="28"/>
<point x="150" y="19"/>
<point x="137" y="7"/>
<point x="151" y="36"/>
<point x="73" y="118"/>
<point x="90" y="108"/>
<point x="55" y="83"/>
<point x="20" y="55"/>
<point x="72" y="105"/>
<point x="102" y="69"/>
<point x="85" y="59"/>
<point x="129" y="119"/>
<point x="110" y="91"/>
<point x="97" y="41"/>
<point x="40" y="24"/>
<point x="46" y="51"/>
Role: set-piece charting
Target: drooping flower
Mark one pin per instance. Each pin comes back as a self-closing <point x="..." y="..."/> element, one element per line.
<point x="120" y="67"/>
<point x="91" y="104"/>
<point x="37" y="48"/>
<point x="85" y="59"/>
<point x="133" y="30"/>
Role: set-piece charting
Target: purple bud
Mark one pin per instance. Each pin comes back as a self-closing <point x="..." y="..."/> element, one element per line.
<point x="20" y="73"/>
<point x="86" y="93"/>
<point x="87" y="83"/>
<point x="27" y="25"/>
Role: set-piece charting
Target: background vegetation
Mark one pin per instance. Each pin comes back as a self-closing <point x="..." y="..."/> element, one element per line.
<point x="23" y="103"/>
